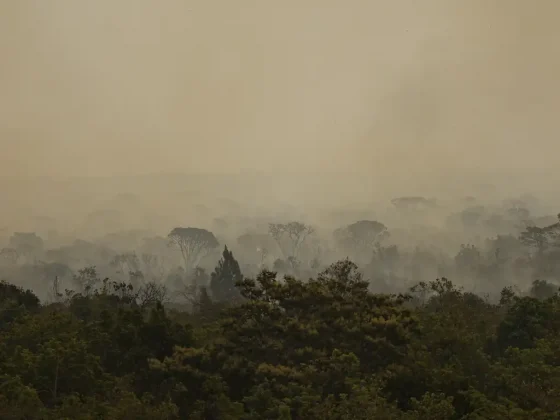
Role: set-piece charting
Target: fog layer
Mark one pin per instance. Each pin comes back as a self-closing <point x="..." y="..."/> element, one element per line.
<point x="381" y="87"/>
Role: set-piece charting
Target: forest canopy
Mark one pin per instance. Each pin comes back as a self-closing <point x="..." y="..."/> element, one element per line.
<point x="288" y="348"/>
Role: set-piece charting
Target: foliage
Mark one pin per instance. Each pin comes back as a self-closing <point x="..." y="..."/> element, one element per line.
<point x="541" y="238"/>
<point x="294" y="233"/>
<point x="225" y="277"/>
<point x="361" y="235"/>
<point x="322" y="348"/>
<point x="193" y="243"/>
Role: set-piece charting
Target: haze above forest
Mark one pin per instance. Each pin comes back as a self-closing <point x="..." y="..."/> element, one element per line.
<point x="279" y="209"/>
<point x="389" y="97"/>
<point x="130" y="87"/>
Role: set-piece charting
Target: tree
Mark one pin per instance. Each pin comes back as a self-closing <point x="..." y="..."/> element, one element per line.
<point x="19" y="401"/>
<point x="151" y="294"/>
<point x="10" y="255"/>
<point x="199" y="277"/>
<point x="225" y="277"/>
<point x="14" y="301"/>
<point x="320" y="315"/>
<point x="256" y="244"/>
<point x="52" y="274"/>
<point x="363" y="235"/>
<point x="294" y="232"/>
<point x="26" y="243"/>
<point x="125" y="263"/>
<point x="196" y="281"/>
<point x="193" y="243"/>
<point x="87" y="279"/>
<point x="535" y="237"/>
<point x="298" y="349"/>
<point x="528" y="320"/>
<point x="541" y="238"/>
<point x="203" y="305"/>
<point x="154" y="266"/>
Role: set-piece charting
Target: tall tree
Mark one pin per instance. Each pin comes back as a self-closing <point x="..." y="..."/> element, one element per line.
<point x="363" y="235"/>
<point x="294" y="233"/>
<point x="224" y="278"/>
<point x="193" y="243"/>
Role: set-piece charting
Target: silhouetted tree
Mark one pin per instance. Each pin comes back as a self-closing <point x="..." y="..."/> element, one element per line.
<point x="193" y="243"/>
<point x="86" y="279"/>
<point x="294" y="232"/>
<point x="541" y="238"/>
<point x="362" y="236"/>
<point x="535" y="237"/>
<point x="225" y="277"/>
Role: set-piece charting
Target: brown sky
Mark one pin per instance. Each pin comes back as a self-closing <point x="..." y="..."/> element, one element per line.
<point x="381" y="86"/>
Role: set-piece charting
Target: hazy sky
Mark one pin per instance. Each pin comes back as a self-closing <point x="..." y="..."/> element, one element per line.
<point x="382" y="86"/>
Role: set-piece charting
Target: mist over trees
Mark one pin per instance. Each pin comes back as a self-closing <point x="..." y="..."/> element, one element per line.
<point x="284" y="210"/>
<point x="416" y="309"/>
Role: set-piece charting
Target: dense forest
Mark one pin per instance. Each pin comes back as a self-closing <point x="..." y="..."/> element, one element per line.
<point x="287" y="320"/>
<point x="292" y="210"/>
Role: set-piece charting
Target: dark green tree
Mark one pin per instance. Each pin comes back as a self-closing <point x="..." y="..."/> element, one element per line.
<point x="225" y="277"/>
<point x="15" y="301"/>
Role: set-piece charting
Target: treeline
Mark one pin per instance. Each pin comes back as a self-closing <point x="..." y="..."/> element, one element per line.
<point x="490" y="250"/>
<point x="271" y="348"/>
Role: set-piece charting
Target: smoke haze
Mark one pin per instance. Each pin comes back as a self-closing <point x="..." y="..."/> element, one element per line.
<point x="401" y="93"/>
<point x="121" y="120"/>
